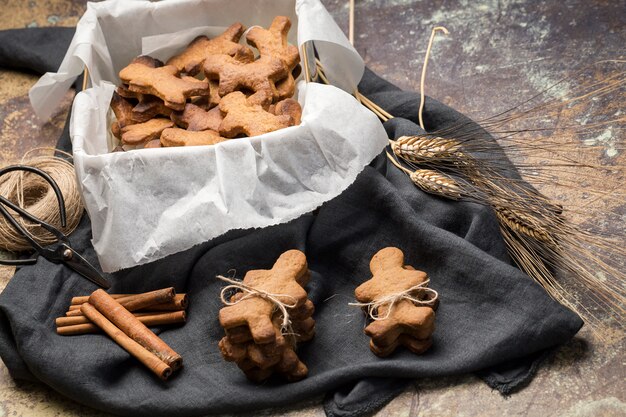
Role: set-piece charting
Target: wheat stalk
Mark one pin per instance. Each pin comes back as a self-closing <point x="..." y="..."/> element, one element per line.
<point x="417" y="148"/>
<point x="522" y="223"/>
<point x="436" y="183"/>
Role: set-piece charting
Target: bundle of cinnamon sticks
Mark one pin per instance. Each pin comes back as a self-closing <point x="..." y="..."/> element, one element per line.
<point x="124" y="318"/>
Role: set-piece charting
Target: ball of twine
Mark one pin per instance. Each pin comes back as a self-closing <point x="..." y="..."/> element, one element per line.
<point x="34" y="194"/>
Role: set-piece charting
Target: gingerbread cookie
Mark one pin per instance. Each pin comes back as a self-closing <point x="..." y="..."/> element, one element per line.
<point x="404" y="317"/>
<point x="196" y="118"/>
<point x="154" y="143"/>
<point x="254" y="325"/>
<point x="141" y="133"/>
<point x="273" y="41"/>
<point x="258" y="77"/>
<point x="288" y="107"/>
<point x="404" y="313"/>
<point x="259" y="362"/>
<point x="389" y="276"/>
<point x="414" y="345"/>
<point x="285" y="88"/>
<point x="214" y="94"/>
<point x="148" y="108"/>
<point x="162" y="82"/>
<point x="181" y="137"/>
<point x="242" y="117"/>
<point x="256" y="312"/>
<point x="191" y="59"/>
<point x="303" y="324"/>
<point x="123" y="109"/>
<point x="123" y="91"/>
<point x="116" y="130"/>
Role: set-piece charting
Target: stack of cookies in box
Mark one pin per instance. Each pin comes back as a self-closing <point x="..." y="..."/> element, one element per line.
<point x="215" y="90"/>
<point x="265" y="321"/>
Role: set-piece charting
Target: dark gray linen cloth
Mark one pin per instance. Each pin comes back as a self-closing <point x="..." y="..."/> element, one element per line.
<point x="492" y="318"/>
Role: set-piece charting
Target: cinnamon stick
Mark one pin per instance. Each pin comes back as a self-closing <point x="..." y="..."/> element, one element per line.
<point x="82" y="325"/>
<point x="147" y="299"/>
<point x="133" y="328"/>
<point x="149" y="359"/>
<point x="83" y="299"/>
<point x="148" y="316"/>
<point x="160" y="300"/>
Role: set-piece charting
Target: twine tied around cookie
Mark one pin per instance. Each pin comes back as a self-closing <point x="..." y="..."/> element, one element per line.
<point x="285" y="327"/>
<point x="391" y="299"/>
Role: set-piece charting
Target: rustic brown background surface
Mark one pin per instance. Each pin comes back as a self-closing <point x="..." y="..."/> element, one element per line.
<point x="499" y="53"/>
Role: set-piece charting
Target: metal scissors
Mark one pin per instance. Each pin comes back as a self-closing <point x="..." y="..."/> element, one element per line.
<point x="58" y="252"/>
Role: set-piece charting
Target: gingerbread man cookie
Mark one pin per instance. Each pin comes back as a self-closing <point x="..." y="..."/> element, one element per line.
<point x="243" y="117"/>
<point x="405" y="308"/>
<point x="148" y="108"/>
<point x="256" y="312"/>
<point x="258" y="77"/>
<point x="273" y="42"/>
<point x="141" y="133"/>
<point x="123" y="110"/>
<point x="180" y="137"/>
<point x="191" y="59"/>
<point x="389" y="276"/>
<point x="196" y="118"/>
<point x="254" y="325"/>
<point x="162" y="82"/>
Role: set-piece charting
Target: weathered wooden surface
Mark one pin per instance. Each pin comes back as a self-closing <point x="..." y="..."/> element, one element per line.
<point x="498" y="54"/>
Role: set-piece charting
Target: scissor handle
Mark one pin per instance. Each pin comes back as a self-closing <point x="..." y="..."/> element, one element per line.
<point x="18" y="262"/>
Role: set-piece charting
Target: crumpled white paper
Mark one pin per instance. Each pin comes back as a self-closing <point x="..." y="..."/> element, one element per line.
<point x="149" y="203"/>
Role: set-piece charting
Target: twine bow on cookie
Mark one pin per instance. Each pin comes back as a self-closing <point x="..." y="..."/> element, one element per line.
<point x="235" y="284"/>
<point x="391" y="299"/>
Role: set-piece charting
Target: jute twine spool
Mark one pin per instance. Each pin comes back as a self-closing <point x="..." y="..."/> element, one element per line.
<point x="34" y="194"/>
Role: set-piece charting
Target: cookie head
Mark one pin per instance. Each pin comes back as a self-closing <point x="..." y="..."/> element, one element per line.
<point x="390" y="276"/>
